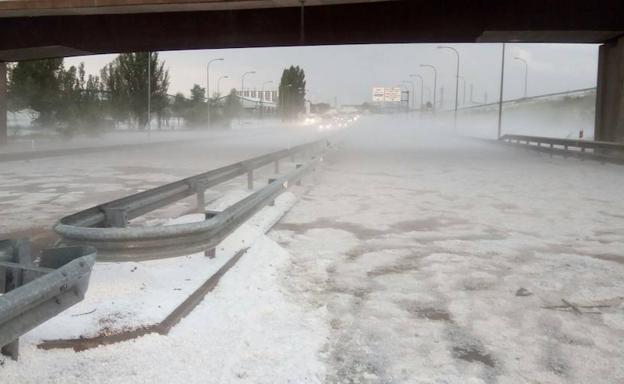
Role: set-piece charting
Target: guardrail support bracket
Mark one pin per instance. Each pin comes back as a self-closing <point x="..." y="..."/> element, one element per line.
<point x="250" y="180"/>
<point x="116" y="217"/>
<point x="272" y="180"/>
<point x="298" y="166"/>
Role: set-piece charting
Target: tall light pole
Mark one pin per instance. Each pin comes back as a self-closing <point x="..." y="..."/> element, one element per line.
<point x="526" y="74"/>
<point x="243" y="88"/>
<point x="219" y="84"/>
<point x="463" y="89"/>
<point x="149" y="93"/>
<point x="421" y="88"/>
<point x="456" y="81"/>
<point x="263" y="84"/>
<point x="261" y="98"/>
<point x="243" y="81"/>
<point x="471" y="99"/>
<point x="428" y="93"/>
<point x="208" y="86"/>
<point x="500" y="98"/>
<point x="435" y="83"/>
<point x="413" y="91"/>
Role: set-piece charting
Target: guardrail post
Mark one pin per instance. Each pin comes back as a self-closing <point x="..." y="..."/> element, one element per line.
<point x="116" y="217"/>
<point x="271" y="180"/>
<point x="201" y="201"/>
<point x="200" y="191"/>
<point x="210" y="253"/>
<point x="250" y="179"/>
<point x="298" y="166"/>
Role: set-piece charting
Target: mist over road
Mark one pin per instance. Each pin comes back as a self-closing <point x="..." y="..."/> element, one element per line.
<point x="435" y="257"/>
<point x="412" y="256"/>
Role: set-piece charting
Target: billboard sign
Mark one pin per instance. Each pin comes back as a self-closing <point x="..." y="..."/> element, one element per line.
<point x="379" y="94"/>
<point x="387" y="94"/>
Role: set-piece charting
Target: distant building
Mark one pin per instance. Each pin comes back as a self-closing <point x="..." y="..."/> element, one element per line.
<point x="250" y="100"/>
<point x="264" y="96"/>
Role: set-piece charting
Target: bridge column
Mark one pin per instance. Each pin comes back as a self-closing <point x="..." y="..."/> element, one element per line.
<point x="610" y="92"/>
<point x="3" y="104"/>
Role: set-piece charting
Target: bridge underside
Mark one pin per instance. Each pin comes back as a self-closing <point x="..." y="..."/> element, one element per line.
<point x="36" y="32"/>
<point x="46" y="28"/>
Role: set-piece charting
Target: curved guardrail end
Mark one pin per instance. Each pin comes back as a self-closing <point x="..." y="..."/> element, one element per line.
<point x="105" y="226"/>
<point x="35" y="294"/>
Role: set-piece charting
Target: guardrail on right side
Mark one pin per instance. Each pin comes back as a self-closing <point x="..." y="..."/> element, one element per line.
<point x="599" y="150"/>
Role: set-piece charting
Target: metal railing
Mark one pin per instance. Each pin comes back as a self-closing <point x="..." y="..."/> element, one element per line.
<point x="601" y="150"/>
<point x="33" y="294"/>
<point x="522" y="100"/>
<point x="105" y="226"/>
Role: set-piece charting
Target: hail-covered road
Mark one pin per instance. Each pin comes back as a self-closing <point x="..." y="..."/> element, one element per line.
<point x="412" y="256"/>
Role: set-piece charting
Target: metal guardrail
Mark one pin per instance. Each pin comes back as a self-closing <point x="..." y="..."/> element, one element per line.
<point x="105" y="226"/>
<point x="527" y="99"/>
<point x="602" y="150"/>
<point x="33" y="294"/>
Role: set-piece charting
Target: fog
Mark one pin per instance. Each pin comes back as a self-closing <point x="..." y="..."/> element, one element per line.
<point x="347" y="73"/>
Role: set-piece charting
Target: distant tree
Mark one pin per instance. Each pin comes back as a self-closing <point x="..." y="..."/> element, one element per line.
<point x="198" y="94"/>
<point x="125" y="79"/>
<point x="65" y="99"/>
<point x="111" y="84"/>
<point x="35" y="85"/>
<point x="232" y="106"/>
<point x="292" y="92"/>
<point x="196" y="113"/>
<point x="179" y="106"/>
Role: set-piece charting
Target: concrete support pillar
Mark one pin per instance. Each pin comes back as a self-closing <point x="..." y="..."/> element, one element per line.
<point x="3" y="104"/>
<point x="610" y="92"/>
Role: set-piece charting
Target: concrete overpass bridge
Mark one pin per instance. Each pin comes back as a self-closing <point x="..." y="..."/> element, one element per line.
<point x="44" y="28"/>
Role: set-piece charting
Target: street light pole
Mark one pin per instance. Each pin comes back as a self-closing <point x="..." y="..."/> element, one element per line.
<point x="421" y="88"/>
<point x="149" y="94"/>
<point x="526" y="74"/>
<point x="435" y="83"/>
<point x="261" y="98"/>
<point x="219" y="84"/>
<point x="456" y="82"/>
<point x="243" y="81"/>
<point x="463" y="89"/>
<point x="243" y="87"/>
<point x="413" y="91"/>
<point x="428" y="93"/>
<point x="500" y="98"/>
<point x="208" y="86"/>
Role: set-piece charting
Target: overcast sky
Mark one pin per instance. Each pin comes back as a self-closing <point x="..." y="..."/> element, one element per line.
<point x="349" y="72"/>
